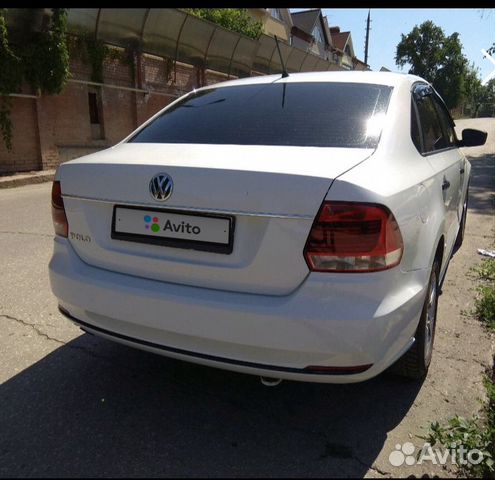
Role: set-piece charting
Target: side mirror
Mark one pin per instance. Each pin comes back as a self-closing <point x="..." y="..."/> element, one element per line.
<point x="472" y="138"/>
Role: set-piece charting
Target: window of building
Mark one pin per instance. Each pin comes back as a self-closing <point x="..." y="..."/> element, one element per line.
<point x="95" y="114"/>
<point x="318" y="35"/>
<point x="275" y="12"/>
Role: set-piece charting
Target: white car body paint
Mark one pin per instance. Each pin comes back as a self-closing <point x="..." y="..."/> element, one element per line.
<point x="259" y="310"/>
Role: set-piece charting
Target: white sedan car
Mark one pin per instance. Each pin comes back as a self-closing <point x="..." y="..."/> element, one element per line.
<point x="292" y="228"/>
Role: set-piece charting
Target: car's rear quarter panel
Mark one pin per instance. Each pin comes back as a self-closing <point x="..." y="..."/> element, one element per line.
<point x="397" y="176"/>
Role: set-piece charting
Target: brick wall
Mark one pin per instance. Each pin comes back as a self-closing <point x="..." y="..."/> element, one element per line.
<point x="216" y="77"/>
<point x="117" y="73"/>
<point x="25" y="155"/>
<point x="51" y="129"/>
<point x="119" y="116"/>
<point x="62" y="120"/>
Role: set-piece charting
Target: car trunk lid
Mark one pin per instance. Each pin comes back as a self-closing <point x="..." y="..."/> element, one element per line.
<point x="271" y="194"/>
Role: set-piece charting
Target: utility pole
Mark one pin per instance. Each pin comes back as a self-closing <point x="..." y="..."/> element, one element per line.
<point x="366" y="44"/>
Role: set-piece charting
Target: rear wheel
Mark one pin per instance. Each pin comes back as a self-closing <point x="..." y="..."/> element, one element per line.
<point x="415" y="362"/>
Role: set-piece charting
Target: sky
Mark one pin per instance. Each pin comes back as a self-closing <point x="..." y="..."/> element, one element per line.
<point x="476" y="28"/>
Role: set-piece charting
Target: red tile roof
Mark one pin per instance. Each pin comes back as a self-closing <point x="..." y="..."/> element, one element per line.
<point x="339" y="39"/>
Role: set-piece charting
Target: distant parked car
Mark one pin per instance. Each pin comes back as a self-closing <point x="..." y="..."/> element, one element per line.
<point x="295" y="228"/>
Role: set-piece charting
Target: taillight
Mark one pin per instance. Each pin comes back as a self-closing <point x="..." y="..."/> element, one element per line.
<point x="58" y="211"/>
<point x="353" y="237"/>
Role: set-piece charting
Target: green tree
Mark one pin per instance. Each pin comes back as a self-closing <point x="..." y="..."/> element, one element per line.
<point x="473" y="89"/>
<point x="41" y="60"/>
<point x="435" y="57"/>
<point x="235" y="19"/>
<point x="45" y="57"/>
<point x="479" y="99"/>
<point x="487" y="100"/>
<point x="10" y="79"/>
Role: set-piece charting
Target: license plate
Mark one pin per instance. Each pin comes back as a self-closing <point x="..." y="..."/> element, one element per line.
<point x="173" y="228"/>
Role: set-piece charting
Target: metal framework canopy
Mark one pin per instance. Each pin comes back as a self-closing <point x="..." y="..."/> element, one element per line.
<point x="172" y="33"/>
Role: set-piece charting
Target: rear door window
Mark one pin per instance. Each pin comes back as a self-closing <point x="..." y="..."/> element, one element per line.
<point x="433" y="138"/>
<point x="435" y="128"/>
<point x="415" y="132"/>
<point x="446" y="122"/>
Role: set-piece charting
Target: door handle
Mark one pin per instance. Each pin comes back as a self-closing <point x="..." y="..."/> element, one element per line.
<point x="445" y="185"/>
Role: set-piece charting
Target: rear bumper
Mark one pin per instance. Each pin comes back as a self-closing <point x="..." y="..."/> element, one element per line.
<point x="330" y="320"/>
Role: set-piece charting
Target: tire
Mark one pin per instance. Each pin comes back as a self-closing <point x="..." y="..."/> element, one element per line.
<point x="462" y="227"/>
<point x="415" y="362"/>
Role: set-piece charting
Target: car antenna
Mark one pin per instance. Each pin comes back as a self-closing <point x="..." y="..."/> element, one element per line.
<point x="284" y="71"/>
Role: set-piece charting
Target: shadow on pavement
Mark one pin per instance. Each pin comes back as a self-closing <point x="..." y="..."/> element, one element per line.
<point x="95" y="408"/>
<point x="482" y="186"/>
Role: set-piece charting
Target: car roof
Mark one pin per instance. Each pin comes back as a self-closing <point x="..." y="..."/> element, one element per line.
<point x="380" y="78"/>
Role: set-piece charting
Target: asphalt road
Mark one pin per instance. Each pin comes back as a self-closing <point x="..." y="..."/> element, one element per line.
<point x="75" y="405"/>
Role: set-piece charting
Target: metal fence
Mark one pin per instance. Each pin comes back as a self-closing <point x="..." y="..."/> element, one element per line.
<point x="478" y="110"/>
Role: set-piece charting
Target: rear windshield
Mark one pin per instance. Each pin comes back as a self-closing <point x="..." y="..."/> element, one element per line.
<point x="297" y="114"/>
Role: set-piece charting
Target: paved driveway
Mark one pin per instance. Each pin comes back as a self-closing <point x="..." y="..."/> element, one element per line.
<point x="75" y="405"/>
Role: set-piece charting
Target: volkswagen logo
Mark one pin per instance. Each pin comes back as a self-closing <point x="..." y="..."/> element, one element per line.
<point x="161" y="186"/>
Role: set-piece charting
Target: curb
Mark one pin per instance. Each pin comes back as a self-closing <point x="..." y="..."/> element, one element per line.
<point x="27" y="179"/>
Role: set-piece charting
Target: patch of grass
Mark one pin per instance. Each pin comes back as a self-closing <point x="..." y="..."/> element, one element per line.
<point x="486" y="270"/>
<point x="472" y="434"/>
<point x="484" y="306"/>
